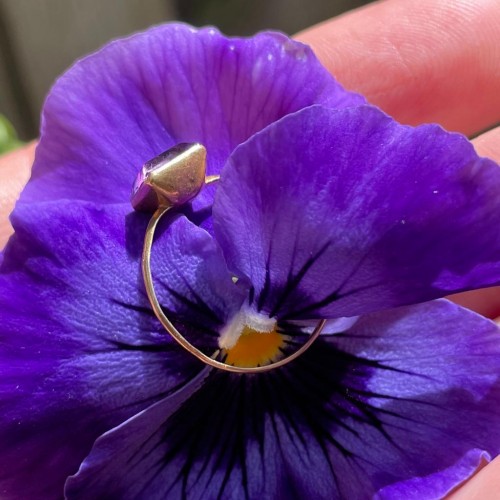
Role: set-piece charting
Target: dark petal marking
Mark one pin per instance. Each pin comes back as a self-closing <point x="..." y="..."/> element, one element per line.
<point x="344" y="420"/>
<point x="251" y="295"/>
<point x="183" y="320"/>
<point x="267" y="280"/>
<point x="387" y="250"/>
<point x="289" y="329"/>
<point x="311" y="308"/>
<point x="307" y="402"/>
<point x="133" y="307"/>
<point x="198" y="304"/>
<point x="293" y="281"/>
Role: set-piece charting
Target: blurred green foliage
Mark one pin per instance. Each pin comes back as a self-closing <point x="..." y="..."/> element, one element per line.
<point x="8" y="136"/>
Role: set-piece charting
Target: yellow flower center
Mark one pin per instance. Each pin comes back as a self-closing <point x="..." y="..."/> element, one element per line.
<point x="255" y="348"/>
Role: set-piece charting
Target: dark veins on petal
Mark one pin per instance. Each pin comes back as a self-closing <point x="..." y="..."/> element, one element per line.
<point x="199" y="324"/>
<point x="283" y="304"/>
<point x="248" y="436"/>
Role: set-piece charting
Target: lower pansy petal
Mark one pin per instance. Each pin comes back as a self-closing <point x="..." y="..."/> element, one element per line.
<point x="427" y="383"/>
<point x="191" y="445"/>
<point x="80" y="347"/>
<point x="342" y="212"/>
<point x="439" y="484"/>
<point x="390" y="405"/>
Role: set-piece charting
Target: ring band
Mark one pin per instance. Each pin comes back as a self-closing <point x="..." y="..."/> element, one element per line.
<point x="168" y="181"/>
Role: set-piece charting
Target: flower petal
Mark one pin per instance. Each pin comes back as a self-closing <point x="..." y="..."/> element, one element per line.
<point x="432" y="395"/>
<point x="393" y="401"/>
<point x="190" y="445"/>
<point x="439" y="484"/>
<point x="192" y="281"/>
<point x="341" y="212"/>
<point x="135" y="98"/>
<point x="80" y="348"/>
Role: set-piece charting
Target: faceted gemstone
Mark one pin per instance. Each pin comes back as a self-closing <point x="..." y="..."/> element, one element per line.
<point x="172" y="178"/>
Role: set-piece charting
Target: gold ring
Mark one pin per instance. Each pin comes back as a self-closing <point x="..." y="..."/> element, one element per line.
<point x="168" y="181"/>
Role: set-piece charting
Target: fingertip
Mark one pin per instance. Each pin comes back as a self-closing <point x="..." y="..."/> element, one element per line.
<point x="487" y="300"/>
<point x="488" y="144"/>
<point x="426" y="61"/>
<point x="15" y="168"/>
<point x="484" y="485"/>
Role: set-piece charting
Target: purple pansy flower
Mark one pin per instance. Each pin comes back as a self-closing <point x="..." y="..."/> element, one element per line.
<point x="326" y="208"/>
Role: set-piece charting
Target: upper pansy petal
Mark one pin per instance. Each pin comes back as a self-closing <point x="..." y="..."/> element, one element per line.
<point x="386" y="407"/>
<point x="136" y="97"/>
<point x="80" y="348"/>
<point x="190" y="445"/>
<point x="341" y="212"/>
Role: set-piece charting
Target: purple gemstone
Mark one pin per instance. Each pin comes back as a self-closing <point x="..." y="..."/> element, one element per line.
<point x="178" y="188"/>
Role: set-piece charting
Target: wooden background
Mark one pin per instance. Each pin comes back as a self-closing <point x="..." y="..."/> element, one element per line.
<point x="40" y="38"/>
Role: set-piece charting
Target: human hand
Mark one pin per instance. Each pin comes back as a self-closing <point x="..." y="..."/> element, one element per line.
<point x="427" y="61"/>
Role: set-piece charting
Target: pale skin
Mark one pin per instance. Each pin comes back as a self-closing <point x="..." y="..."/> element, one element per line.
<point x="420" y="61"/>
